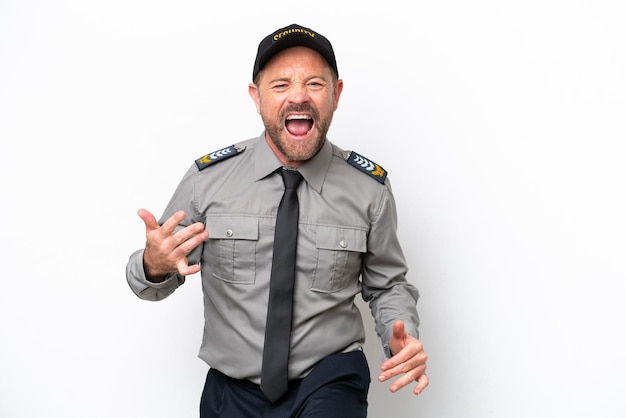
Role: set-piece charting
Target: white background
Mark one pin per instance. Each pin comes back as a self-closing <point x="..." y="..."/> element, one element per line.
<point x="501" y="123"/>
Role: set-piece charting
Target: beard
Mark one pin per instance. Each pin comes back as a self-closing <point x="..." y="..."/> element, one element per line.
<point x="300" y="151"/>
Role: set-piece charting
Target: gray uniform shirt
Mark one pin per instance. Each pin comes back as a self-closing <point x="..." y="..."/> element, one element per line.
<point x="347" y="244"/>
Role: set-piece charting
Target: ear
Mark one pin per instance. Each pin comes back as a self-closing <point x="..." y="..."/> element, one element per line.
<point x="338" y="90"/>
<point x="253" y="91"/>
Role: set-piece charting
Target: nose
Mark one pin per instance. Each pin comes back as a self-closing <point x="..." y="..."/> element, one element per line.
<point x="298" y="93"/>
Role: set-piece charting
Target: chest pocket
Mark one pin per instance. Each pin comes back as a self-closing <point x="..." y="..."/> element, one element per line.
<point x="339" y="253"/>
<point x="232" y="248"/>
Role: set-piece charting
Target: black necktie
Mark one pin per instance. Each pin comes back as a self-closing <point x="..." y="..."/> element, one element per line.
<point x="278" y="327"/>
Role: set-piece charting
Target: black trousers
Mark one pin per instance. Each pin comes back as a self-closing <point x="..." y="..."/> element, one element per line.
<point x="337" y="387"/>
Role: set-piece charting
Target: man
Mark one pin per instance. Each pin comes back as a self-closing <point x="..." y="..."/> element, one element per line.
<point x="223" y="221"/>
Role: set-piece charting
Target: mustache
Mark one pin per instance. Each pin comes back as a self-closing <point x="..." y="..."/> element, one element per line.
<point x="301" y="108"/>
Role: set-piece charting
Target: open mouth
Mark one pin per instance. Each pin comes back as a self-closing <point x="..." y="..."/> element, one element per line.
<point x="298" y="125"/>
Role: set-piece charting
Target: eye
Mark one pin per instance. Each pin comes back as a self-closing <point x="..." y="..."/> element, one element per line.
<point x="315" y="85"/>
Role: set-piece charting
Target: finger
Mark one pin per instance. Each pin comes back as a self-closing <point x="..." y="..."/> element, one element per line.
<point x="188" y="232"/>
<point x="394" y="365"/>
<point x="398" y="330"/>
<point x="409" y="369"/>
<point x="400" y="383"/>
<point x="172" y="222"/>
<point x="185" y="269"/>
<point x="408" y="378"/>
<point x="399" y="337"/>
<point x="148" y="219"/>
<point x="190" y="237"/>
<point x="409" y="349"/>
<point x="422" y="383"/>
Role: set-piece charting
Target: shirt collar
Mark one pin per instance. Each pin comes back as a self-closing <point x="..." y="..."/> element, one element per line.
<point x="314" y="170"/>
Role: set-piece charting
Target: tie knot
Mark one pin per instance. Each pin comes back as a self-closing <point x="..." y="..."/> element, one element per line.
<point x="291" y="178"/>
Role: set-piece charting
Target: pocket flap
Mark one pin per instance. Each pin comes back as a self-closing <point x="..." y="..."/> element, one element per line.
<point x="341" y="239"/>
<point x="233" y="227"/>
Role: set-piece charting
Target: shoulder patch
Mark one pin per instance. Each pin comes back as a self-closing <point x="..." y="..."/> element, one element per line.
<point x="368" y="167"/>
<point x="217" y="156"/>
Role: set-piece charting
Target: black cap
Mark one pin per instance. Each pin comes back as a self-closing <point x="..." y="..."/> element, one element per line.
<point x="293" y="35"/>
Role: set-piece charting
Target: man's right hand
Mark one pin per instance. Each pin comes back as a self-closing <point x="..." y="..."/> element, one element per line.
<point x="167" y="251"/>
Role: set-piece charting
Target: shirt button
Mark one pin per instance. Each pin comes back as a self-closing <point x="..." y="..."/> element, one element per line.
<point x="343" y="244"/>
<point x="229" y="233"/>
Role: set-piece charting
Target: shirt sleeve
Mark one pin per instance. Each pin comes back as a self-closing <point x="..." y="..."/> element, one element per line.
<point x="135" y="273"/>
<point x="144" y="289"/>
<point x="385" y="287"/>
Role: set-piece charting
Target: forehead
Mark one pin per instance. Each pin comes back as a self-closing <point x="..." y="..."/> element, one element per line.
<point x="297" y="58"/>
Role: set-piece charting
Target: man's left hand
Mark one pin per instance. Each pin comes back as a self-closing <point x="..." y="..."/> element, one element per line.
<point x="408" y="361"/>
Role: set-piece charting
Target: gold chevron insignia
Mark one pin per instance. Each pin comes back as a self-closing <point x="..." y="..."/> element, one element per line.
<point x="205" y="160"/>
<point x="379" y="171"/>
<point x="367" y="166"/>
<point x="217" y="156"/>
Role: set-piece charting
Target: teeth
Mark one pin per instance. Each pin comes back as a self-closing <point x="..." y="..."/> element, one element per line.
<point x="292" y="117"/>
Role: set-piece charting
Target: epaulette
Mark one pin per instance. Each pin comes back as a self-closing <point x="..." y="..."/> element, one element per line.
<point x="217" y="156"/>
<point x="368" y="167"/>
